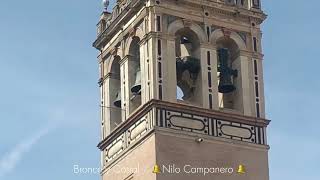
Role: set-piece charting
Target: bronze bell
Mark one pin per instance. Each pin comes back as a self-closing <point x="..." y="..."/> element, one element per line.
<point x="117" y="102"/>
<point x="180" y="67"/>
<point x="226" y="73"/>
<point x="192" y="64"/>
<point x="136" y="88"/>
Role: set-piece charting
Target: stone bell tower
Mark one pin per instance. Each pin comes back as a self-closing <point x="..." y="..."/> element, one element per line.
<point x="182" y="88"/>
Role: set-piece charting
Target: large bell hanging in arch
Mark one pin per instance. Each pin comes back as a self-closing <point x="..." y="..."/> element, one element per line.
<point x="226" y="72"/>
<point x="136" y="88"/>
<point x="117" y="101"/>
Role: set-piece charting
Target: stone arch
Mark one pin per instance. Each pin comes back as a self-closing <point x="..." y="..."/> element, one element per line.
<point x="188" y="37"/>
<point x="218" y="34"/>
<point x="112" y="92"/>
<point x="177" y="25"/>
<point x="138" y="32"/>
<point x="133" y="53"/>
<point x="114" y="65"/>
<point x="234" y="44"/>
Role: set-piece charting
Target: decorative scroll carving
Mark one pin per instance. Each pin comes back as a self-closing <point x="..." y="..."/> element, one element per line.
<point x="132" y="32"/>
<point x="186" y="122"/>
<point x="137" y="130"/>
<point x="236" y="131"/>
<point x="186" y="23"/>
<point x="114" y="51"/>
<point x="226" y="32"/>
<point x="178" y="120"/>
<point x="115" y="148"/>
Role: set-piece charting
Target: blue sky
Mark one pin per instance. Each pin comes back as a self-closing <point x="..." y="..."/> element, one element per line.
<point x="49" y="96"/>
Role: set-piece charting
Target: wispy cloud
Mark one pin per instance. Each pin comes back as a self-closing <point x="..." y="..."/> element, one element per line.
<point x="11" y="159"/>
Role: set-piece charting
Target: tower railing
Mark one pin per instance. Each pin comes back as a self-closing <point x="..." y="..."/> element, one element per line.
<point x="160" y="115"/>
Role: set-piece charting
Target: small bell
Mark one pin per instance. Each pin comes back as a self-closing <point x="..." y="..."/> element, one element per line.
<point x="117" y="102"/>
<point x="241" y="169"/>
<point x="136" y="88"/>
<point x="156" y="169"/>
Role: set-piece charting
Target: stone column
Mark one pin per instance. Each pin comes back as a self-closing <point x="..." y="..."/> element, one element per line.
<point x="169" y="71"/>
<point x="113" y="113"/>
<point x="144" y="71"/>
<point x="101" y="81"/>
<point x="152" y="71"/>
<point x="155" y="52"/>
<point x="212" y="66"/>
<point x="261" y="88"/>
<point x="209" y="76"/>
<point x="125" y="88"/>
<point x="243" y="94"/>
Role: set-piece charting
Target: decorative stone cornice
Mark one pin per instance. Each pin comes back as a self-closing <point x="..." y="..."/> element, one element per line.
<point x="218" y="9"/>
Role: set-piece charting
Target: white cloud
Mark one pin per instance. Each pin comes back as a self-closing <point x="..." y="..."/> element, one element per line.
<point x="11" y="159"/>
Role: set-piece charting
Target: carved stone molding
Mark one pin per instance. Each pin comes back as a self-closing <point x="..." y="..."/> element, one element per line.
<point x="226" y="32"/>
<point x="114" y="51"/>
<point x="187" y="23"/>
<point x="132" y="32"/>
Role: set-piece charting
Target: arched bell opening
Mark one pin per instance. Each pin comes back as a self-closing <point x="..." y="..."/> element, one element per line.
<point x="228" y="67"/>
<point x="114" y="94"/>
<point x="188" y="68"/>
<point x="134" y="77"/>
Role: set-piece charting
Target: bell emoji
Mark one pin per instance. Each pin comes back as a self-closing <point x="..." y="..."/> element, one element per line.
<point x="241" y="169"/>
<point x="156" y="169"/>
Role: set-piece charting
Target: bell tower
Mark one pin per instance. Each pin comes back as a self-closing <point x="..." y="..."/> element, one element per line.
<point x="182" y="88"/>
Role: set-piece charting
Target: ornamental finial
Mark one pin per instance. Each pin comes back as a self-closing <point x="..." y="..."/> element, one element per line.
<point x="105" y="5"/>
